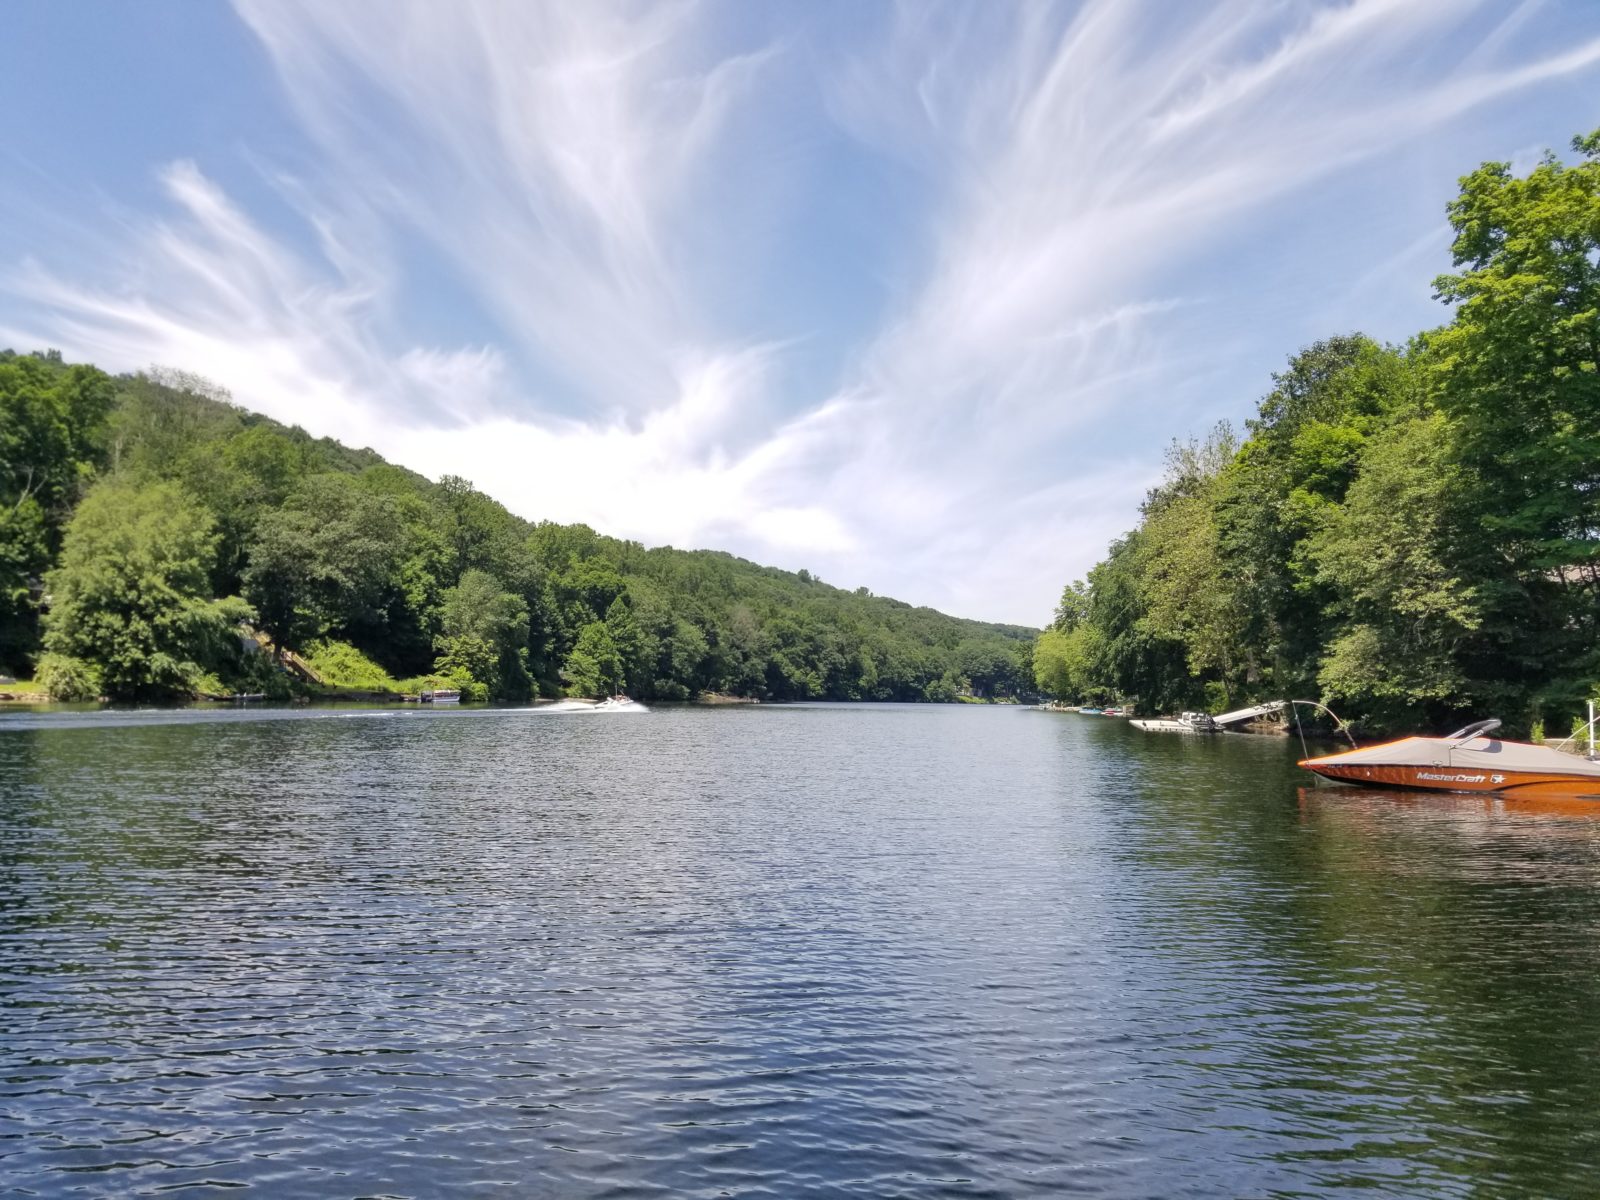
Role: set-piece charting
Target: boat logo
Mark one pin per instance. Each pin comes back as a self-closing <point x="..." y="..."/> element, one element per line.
<point x="1451" y="778"/>
<point x="1497" y="779"/>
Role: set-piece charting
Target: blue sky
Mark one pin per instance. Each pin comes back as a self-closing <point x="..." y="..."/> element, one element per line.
<point x="913" y="296"/>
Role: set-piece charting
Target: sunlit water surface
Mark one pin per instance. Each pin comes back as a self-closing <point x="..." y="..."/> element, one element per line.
<point x="781" y="951"/>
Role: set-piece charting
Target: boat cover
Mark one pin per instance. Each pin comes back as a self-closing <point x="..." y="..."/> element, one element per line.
<point x="1483" y="753"/>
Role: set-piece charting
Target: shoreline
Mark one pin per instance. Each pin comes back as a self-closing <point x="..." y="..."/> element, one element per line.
<point x="706" y="700"/>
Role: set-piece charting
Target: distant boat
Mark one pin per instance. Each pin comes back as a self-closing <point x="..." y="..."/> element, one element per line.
<point x="616" y="703"/>
<point x="441" y="696"/>
<point x="1087" y="710"/>
<point x="1469" y="760"/>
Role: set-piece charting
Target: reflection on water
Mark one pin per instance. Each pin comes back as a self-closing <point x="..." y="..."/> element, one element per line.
<point x="804" y="950"/>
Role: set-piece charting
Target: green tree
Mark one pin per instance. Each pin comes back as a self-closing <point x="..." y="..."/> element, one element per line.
<point x="948" y="688"/>
<point x="170" y="424"/>
<point x="1391" y="555"/>
<point x="1064" y="664"/>
<point x="325" y="562"/>
<point x="414" y="595"/>
<point x="25" y="554"/>
<point x="1190" y="595"/>
<point x="791" y="672"/>
<point x="480" y="533"/>
<point x="1290" y="475"/>
<point x="1053" y="666"/>
<point x="1134" y="662"/>
<point x="1517" y="371"/>
<point x="1187" y="594"/>
<point x="331" y="542"/>
<point x="256" y="471"/>
<point x="594" y="667"/>
<point x="740" y="653"/>
<point x="635" y="650"/>
<point x="132" y="598"/>
<point x="52" y="434"/>
<point x="484" y="634"/>
<point x="1073" y="608"/>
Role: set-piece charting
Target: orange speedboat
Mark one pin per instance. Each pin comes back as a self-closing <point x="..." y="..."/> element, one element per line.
<point x="1469" y="760"/>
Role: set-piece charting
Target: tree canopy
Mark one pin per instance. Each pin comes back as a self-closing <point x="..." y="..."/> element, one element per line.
<point x="382" y="575"/>
<point x="1408" y="532"/>
<point x="131" y="597"/>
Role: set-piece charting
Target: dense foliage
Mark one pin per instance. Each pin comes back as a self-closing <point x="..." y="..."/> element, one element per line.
<point x="146" y="523"/>
<point x="131" y="597"/>
<point x="1409" y="533"/>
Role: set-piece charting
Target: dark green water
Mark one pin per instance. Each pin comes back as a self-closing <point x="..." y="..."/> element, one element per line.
<point x="810" y="950"/>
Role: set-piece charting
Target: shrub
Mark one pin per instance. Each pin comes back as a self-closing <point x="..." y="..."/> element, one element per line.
<point x="257" y="672"/>
<point x="67" y="678"/>
<point x="341" y="665"/>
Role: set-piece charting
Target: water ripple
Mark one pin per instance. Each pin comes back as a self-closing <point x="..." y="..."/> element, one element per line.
<point x="781" y="952"/>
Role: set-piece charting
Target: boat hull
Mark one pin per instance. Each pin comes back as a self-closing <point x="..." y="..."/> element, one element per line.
<point x="1433" y="778"/>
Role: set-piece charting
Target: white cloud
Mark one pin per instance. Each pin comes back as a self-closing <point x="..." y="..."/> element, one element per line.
<point x="553" y="153"/>
<point x="1082" y="159"/>
<point x="572" y="166"/>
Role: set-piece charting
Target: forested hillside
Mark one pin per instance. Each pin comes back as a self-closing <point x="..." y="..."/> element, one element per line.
<point x="1409" y="533"/>
<point x="145" y="522"/>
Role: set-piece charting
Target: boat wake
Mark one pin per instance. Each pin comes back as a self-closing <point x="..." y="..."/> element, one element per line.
<point x="597" y="708"/>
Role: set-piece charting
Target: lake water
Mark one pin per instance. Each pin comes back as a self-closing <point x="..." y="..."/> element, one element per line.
<point x="779" y="951"/>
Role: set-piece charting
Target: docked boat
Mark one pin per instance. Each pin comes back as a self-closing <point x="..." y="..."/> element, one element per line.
<point x="441" y="696"/>
<point x="1199" y="722"/>
<point x="1469" y="760"/>
<point x="1189" y="722"/>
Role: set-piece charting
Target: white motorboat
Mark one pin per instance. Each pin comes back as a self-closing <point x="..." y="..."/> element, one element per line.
<point x="1189" y="722"/>
<point x="1199" y="722"/>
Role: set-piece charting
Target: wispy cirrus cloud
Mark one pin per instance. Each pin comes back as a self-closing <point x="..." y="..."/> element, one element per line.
<point x="1081" y="155"/>
<point x="590" y="191"/>
<point x="555" y="154"/>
